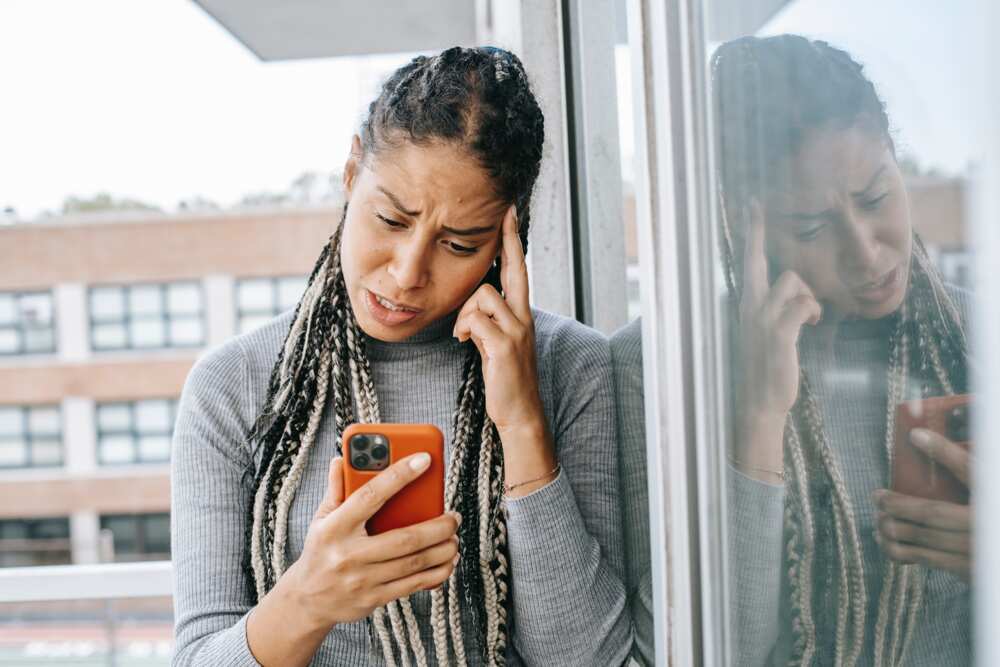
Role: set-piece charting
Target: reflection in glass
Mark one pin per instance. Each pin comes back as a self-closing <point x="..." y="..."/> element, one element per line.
<point x="837" y="316"/>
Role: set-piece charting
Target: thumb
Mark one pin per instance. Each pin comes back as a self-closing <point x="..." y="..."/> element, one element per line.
<point x="334" y="489"/>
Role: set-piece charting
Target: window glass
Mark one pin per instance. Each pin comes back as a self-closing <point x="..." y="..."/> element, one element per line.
<point x="30" y="436"/>
<point x="147" y="316"/>
<point x="136" y="431"/>
<point x="25" y="542"/>
<point x="841" y="184"/>
<point x="26" y="323"/>
<point x="259" y="300"/>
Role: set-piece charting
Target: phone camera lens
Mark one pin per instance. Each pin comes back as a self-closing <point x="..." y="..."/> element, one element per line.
<point x="359" y="442"/>
<point x="958" y="424"/>
<point x="380" y="451"/>
<point x="361" y="460"/>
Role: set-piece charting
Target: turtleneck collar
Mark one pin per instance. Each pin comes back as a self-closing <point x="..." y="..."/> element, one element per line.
<point x="433" y="336"/>
<point x="852" y="329"/>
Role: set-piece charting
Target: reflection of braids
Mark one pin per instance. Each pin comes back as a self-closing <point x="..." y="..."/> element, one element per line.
<point x="811" y="84"/>
<point x="481" y="99"/>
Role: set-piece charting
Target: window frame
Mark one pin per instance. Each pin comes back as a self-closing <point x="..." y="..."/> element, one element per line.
<point x="133" y="431"/>
<point x="19" y="326"/>
<point x="29" y="437"/>
<point x="140" y="523"/>
<point x="163" y="316"/>
<point x="275" y="311"/>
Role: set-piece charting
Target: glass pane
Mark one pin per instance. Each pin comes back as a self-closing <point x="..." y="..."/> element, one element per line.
<point x="39" y="340"/>
<point x="11" y="421"/>
<point x="185" y="331"/>
<point x="8" y="308"/>
<point x="116" y="449"/>
<point x="46" y="452"/>
<point x="125" y="531"/>
<point x="13" y="452"/>
<point x="107" y="303"/>
<point x="184" y="299"/>
<point x="255" y="294"/>
<point x="842" y="184"/>
<point x="49" y="529"/>
<point x="14" y="530"/>
<point x="145" y="300"/>
<point x="10" y="341"/>
<point x="44" y="421"/>
<point x="114" y="417"/>
<point x="147" y="333"/>
<point x="152" y="416"/>
<point x="157" y="533"/>
<point x="109" y="336"/>
<point x="154" y="448"/>
<point x="36" y="309"/>
<point x="289" y="292"/>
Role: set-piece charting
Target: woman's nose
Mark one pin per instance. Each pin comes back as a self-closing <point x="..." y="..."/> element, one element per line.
<point x="860" y="248"/>
<point x="409" y="266"/>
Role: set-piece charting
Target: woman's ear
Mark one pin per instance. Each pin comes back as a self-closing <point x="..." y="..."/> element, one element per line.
<point x="353" y="166"/>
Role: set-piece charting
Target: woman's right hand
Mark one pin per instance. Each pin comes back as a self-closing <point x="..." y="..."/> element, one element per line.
<point x="343" y="573"/>
<point x="771" y="318"/>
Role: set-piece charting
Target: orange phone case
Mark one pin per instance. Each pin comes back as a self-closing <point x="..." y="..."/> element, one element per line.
<point x="421" y="499"/>
<point x="913" y="473"/>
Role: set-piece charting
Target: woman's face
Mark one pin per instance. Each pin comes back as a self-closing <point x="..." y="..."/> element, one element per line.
<point x="422" y="229"/>
<point x="843" y="222"/>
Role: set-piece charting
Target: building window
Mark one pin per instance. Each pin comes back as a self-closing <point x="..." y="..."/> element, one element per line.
<point x="27" y="542"/>
<point x="261" y="299"/>
<point x="138" y="536"/>
<point x="27" y="324"/>
<point x="135" y="431"/>
<point x="147" y="316"/>
<point x="30" y="436"/>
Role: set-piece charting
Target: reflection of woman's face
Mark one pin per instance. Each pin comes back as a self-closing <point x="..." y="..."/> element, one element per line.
<point x="843" y="222"/>
<point x="422" y="229"/>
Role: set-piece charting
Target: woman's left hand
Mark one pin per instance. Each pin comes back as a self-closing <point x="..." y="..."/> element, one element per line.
<point x="503" y="330"/>
<point x="930" y="532"/>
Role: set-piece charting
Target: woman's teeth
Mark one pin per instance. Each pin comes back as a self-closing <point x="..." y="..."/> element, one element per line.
<point x="390" y="305"/>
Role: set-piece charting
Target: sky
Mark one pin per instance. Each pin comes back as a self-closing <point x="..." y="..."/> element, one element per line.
<point x="153" y="100"/>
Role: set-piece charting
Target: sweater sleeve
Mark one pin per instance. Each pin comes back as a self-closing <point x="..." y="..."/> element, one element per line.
<point x="566" y="553"/>
<point x="208" y="508"/>
<point x="626" y="355"/>
<point x="755" y="531"/>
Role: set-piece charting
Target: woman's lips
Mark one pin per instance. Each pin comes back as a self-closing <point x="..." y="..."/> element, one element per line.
<point x="882" y="289"/>
<point x="387" y="316"/>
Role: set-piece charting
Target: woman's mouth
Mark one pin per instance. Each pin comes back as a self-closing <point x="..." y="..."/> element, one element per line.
<point x="388" y="312"/>
<point x="877" y="291"/>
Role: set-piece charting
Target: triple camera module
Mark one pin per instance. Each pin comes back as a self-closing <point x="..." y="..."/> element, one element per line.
<point x="369" y="451"/>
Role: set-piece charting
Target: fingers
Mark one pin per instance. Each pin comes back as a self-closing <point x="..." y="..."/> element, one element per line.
<point x="942" y="450"/>
<point x="487" y="300"/>
<point x="755" y="284"/>
<point x="401" y="542"/>
<point x="334" y="489"/>
<point x="788" y="287"/>
<point x="960" y="564"/>
<point x="799" y="311"/>
<point x="485" y="333"/>
<point x="513" y="269"/>
<point x="930" y="513"/>
<point x="369" y="498"/>
<point x="893" y="530"/>
<point x="433" y="556"/>
<point x="426" y="580"/>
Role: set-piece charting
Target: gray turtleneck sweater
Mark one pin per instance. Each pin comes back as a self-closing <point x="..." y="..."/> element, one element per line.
<point x="847" y="365"/>
<point x="567" y="597"/>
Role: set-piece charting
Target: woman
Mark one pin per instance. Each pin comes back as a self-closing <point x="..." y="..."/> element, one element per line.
<point x="840" y="317"/>
<point x="418" y="303"/>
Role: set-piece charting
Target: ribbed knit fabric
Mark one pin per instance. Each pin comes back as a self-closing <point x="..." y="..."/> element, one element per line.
<point x="847" y="365"/>
<point x="566" y="555"/>
<point x="626" y="355"/>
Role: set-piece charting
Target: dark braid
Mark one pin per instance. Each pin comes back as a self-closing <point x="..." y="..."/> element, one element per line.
<point x="481" y="100"/>
<point x="767" y="95"/>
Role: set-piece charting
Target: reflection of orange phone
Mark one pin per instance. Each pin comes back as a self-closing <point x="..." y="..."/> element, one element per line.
<point x="371" y="448"/>
<point x="913" y="473"/>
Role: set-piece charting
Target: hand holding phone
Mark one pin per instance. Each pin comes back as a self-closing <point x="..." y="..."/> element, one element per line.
<point x="914" y="472"/>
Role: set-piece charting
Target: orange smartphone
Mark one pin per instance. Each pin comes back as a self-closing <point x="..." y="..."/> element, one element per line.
<point x="913" y="473"/>
<point x="371" y="448"/>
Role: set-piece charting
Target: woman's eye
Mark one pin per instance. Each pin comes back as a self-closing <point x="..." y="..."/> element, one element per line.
<point x="872" y="204"/>
<point x="461" y="249"/>
<point x="389" y="222"/>
<point x="810" y="233"/>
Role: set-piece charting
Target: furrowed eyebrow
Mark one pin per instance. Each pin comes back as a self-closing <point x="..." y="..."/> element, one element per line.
<point x="871" y="183"/>
<point x="471" y="231"/>
<point x="398" y="204"/>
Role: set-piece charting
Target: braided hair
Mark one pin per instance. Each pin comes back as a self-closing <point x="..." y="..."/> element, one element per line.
<point x="480" y="99"/>
<point x="767" y="94"/>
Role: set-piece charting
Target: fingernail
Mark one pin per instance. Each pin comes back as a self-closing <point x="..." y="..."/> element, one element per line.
<point x="920" y="437"/>
<point x="420" y="461"/>
<point x="454" y="561"/>
<point x="458" y="519"/>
